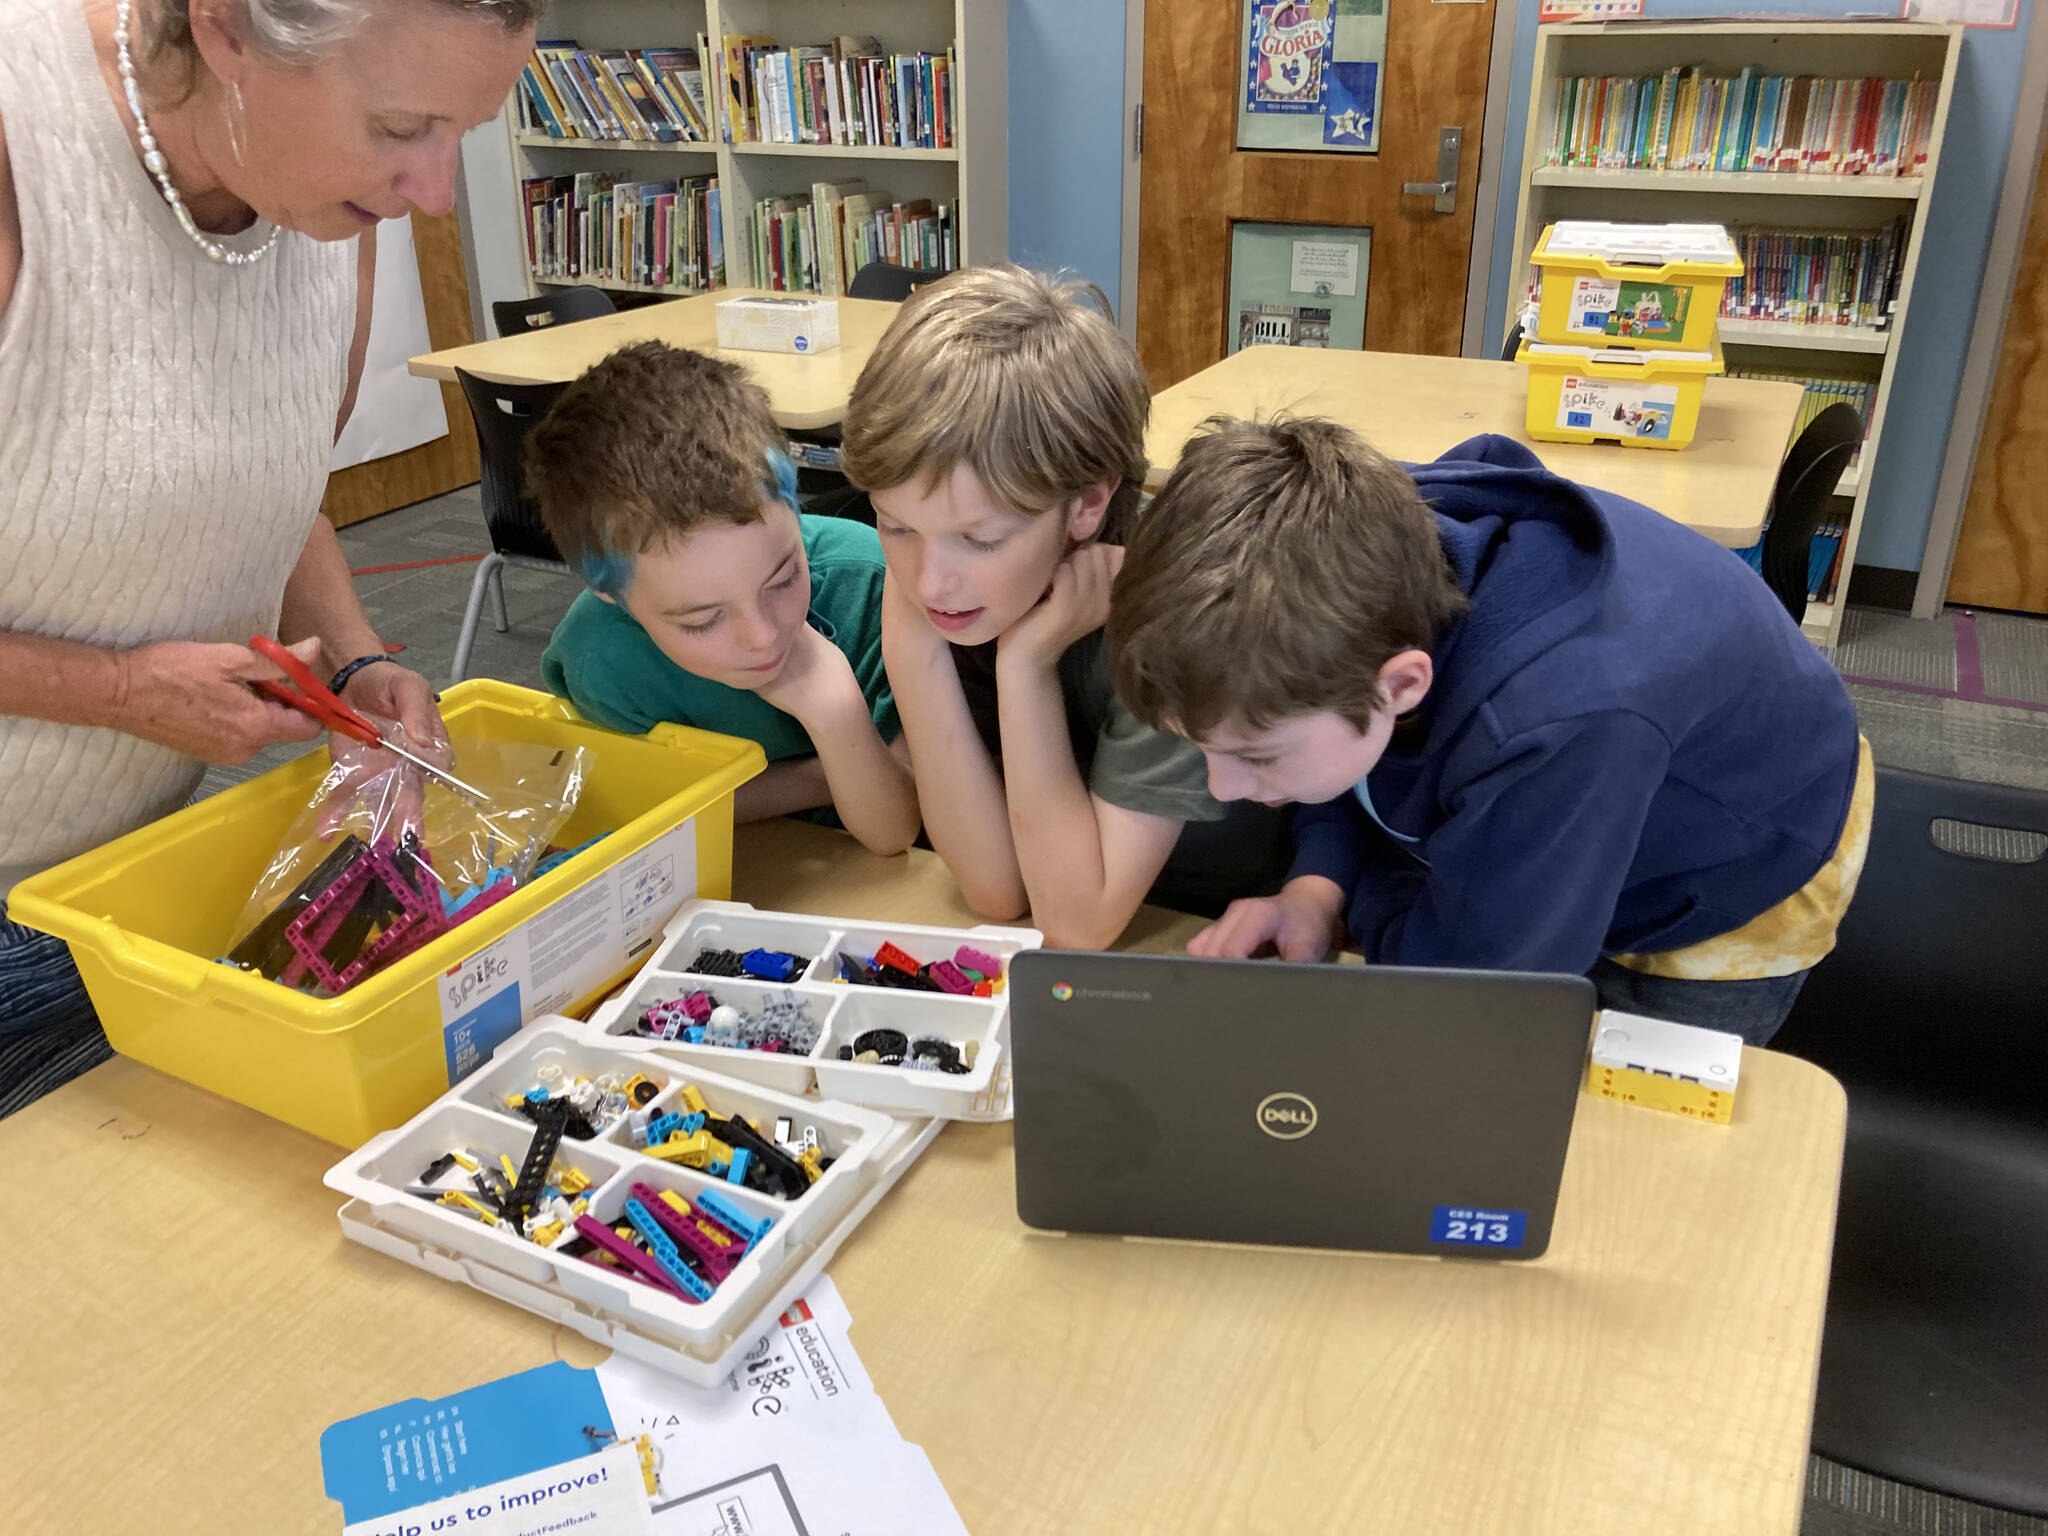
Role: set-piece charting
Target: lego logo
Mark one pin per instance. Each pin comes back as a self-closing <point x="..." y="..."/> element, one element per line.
<point x="1285" y="1116"/>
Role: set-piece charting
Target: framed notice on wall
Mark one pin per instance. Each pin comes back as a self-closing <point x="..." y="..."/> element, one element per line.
<point x="1297" y="285"/>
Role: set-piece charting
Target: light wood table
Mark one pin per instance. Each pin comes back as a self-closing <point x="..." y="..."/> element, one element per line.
<point x="186" y="1319"/>
<point x="805" y="392"/>
<point x="1413" y="408"/>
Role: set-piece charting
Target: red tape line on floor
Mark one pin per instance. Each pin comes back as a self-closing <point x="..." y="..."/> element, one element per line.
<point x="415" y="565"/>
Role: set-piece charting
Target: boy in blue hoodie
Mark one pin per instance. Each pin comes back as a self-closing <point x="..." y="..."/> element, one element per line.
<point x="1530" y="726"/>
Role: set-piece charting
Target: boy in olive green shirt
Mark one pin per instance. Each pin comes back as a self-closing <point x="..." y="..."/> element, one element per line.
<point x="662" y="477"/>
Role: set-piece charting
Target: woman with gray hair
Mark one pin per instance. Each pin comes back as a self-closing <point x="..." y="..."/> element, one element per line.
<point x="189" y="191"/>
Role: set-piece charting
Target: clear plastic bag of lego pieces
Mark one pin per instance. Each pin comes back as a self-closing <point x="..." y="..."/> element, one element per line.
<point x="385" y="858"/>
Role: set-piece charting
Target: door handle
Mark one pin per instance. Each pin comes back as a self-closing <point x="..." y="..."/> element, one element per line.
<point x="1445" y="188"/>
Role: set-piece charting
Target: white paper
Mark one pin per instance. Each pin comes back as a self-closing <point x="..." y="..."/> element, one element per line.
<point x="1325" y="267"/>
<point x="794" y="1441"/>
<point x="394" y="411"/>
<point x="600" y="1495"/>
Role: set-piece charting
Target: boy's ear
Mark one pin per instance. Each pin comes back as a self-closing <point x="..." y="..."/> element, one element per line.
<point x="1086" y="511"/>
<point x="1405" y="679"/>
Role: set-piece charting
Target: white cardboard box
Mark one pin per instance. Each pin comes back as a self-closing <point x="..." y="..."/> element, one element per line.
<point x="778" y="325"/>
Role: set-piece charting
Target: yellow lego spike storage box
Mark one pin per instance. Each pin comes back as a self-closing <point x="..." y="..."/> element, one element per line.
<point x="1633" y="285"/>
<point x="1660" y="1065"/>
<point x="1637" y="399"/>
<point x="146" y="915"/>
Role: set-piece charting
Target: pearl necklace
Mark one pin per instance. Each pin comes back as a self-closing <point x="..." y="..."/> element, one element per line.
<point x="153" y="158"/>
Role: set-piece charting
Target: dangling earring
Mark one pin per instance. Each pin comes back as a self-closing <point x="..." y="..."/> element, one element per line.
<point x="235" y="113"/>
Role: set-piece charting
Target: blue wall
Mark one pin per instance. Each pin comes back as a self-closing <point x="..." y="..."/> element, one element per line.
<point x="1930" y="363"/>
<point x="1066" y="137"/>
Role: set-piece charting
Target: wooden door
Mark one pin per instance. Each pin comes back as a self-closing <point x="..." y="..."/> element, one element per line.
<point x="400" y="479"/>
<point x="2002" y="555"/>
<point x="1196" y="183"/>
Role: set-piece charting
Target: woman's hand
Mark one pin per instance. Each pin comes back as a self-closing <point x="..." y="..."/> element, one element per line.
<point x="199" y="699"/>
<point x="392" y="790"/>
<point x="401" y="694"/>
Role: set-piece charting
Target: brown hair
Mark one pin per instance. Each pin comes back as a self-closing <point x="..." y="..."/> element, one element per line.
<point x="1279" y="569"/>
<point x="1019" y="376"/>
<point x="648" y="446"/>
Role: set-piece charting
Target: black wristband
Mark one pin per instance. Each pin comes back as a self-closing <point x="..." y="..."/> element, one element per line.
<point x="340" y="679"/>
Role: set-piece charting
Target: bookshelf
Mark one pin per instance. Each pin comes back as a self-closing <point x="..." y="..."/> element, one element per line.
<point x="1811" y="202"/>
<point x="970" y="176"/>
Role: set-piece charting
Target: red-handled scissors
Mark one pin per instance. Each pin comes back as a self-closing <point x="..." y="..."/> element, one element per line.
<point x="312" y="698"/>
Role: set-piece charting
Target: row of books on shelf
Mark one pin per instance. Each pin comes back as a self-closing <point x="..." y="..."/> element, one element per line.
<point x="1825" y="556"/>
<point x="816" y="244"/>
<point x="1688" y="120"/>
<point x="642" y="95"/>
<point x="1821" y="392"/>
<point x="1817" y="277"/>
<point x="1823" y="560"/>
<point x="594" y="227"/>
<point x="846" y="91"/>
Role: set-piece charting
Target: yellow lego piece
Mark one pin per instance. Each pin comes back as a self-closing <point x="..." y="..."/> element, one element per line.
<point x="1695" y="1101"/>
<point x="639" y="1080"/>
<point x="1657" y="1064"/>
<point x="467" y="1162"/>
<point x="717" y="1234"/>
<point x="511" y="1168"/>
<point x="545" y="1236"/>
<point x="697" y="1150"/>
<point x="810" y="1163"/>
<point x="650" y="1464"/>
<point x="468" y="1202"/>
<point x="579" y="1205"/>
<point x="571" y="1181"/>
<point x="693" y="1101"/>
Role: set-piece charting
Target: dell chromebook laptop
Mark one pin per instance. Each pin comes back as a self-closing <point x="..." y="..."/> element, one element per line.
<point x="1318" y="1106"/>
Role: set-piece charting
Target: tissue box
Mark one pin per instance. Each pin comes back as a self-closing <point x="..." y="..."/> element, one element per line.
<point x="778" y="325"/>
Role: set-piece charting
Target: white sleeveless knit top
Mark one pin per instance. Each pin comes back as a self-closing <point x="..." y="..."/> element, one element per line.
<point x="165" y="426"/>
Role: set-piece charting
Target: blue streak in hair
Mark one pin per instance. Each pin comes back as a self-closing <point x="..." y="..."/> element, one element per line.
<point x="609" y="572"/>
<point x="782" y="477"/>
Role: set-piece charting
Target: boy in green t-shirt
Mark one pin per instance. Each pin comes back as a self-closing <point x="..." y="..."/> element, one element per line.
<point x="662" y="477"/>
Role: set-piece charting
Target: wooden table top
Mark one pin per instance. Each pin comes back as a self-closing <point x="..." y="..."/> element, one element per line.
<point x="1414" y="408"/>
<point x="805" y="392"/>
<point x="1655" y="1368"/>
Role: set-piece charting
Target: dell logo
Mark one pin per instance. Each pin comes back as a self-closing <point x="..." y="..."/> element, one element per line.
<point x="1285" y="1116"/>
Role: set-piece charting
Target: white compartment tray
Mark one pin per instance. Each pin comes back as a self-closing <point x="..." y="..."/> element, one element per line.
<point x="869" y="1153"/>
<point x="842" y="1010"/>
<point x="705" y="1361"/>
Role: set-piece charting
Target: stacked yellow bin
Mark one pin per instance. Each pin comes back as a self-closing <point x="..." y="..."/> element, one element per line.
<point x="1626" y="331"/>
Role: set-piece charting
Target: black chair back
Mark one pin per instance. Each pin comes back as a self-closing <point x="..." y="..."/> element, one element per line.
<point x="504" y="414"/>
<point x="1934" y="1361"/>
<point x="1799" y="501"/>
<point x="1939" y="980"/>
<point x="515" y="317"/>
<point x="1513" y="344"/>
<point x="882" y="280"/>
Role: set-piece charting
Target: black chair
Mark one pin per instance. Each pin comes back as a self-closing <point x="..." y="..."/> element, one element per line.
<point x="1513" y="344"/>
<point x="1799" y="501"/>
<point x="504" y="413"/>
<point x="882" y="280"/>
<point x="517" y="316"/>
<point x="1933" y="1013"/>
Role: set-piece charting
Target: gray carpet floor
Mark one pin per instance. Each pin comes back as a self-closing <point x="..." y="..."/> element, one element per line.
<point x="1949" y="696"/>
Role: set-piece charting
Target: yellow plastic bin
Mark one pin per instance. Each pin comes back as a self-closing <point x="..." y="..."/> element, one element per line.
<point x="1633" y="285"/>
<point x="1593" y="394"/>
<point x="146" y="914"/>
